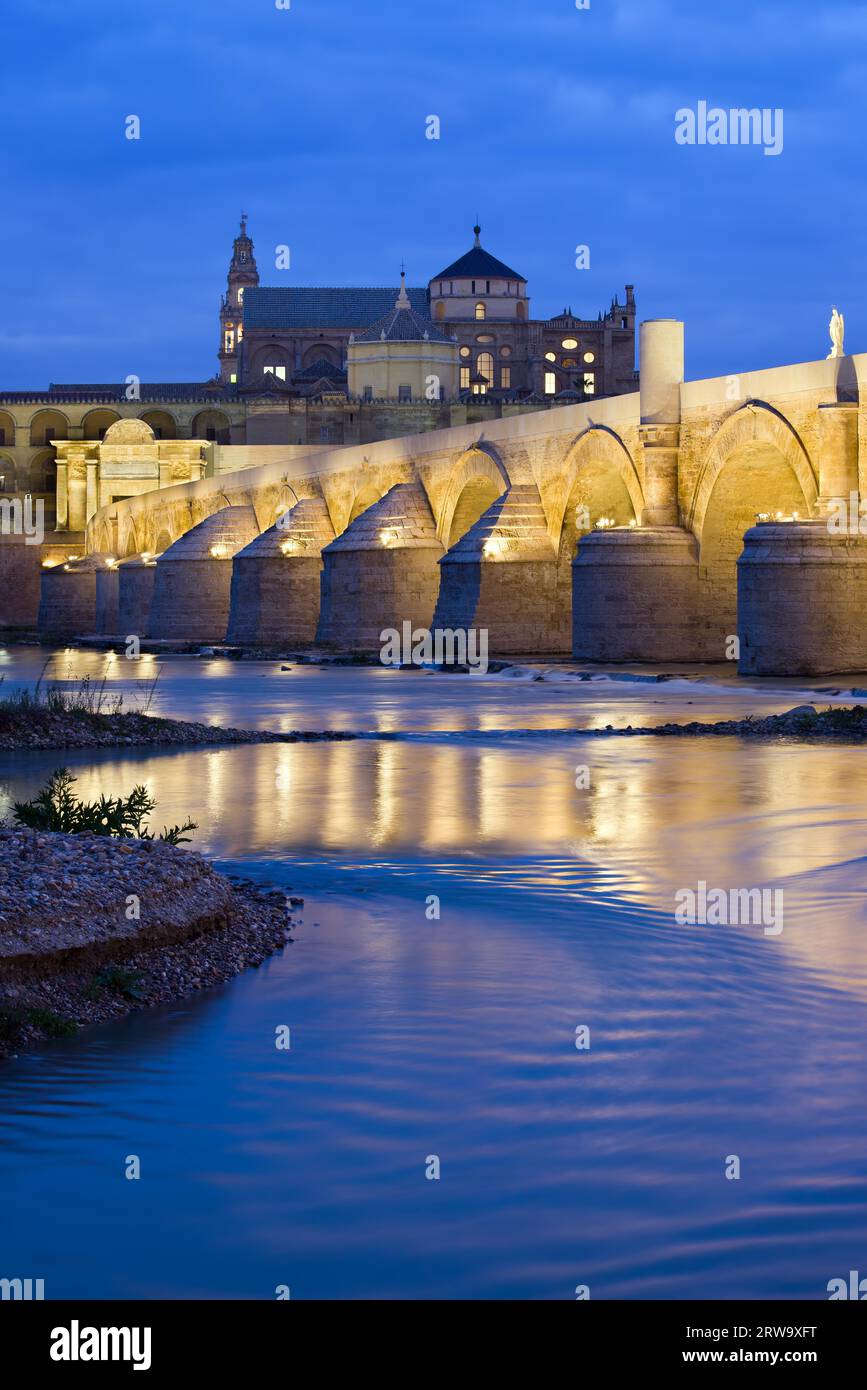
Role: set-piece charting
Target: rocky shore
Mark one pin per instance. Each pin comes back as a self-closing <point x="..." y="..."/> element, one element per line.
<point x="804" y="722"/>
<point x="92" y="928"/>
<point x="36" y="727"/>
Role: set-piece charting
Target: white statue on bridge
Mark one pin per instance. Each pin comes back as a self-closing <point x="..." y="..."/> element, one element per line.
<point x="836" y="328"/>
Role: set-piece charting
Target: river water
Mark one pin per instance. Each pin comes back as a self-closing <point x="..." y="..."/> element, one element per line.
<point x="414" y="1036"/>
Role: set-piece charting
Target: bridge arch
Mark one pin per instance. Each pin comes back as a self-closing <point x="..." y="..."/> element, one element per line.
<point x="756" y="462"/>
<point x="754" y="436"/>
<point x="477" y="479"/>
<point x="599" y="474"/>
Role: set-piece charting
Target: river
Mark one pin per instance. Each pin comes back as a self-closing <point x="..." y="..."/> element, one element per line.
<point x="417" y="1036"/>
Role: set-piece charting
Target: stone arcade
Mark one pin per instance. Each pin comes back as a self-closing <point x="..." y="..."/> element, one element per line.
<point x="487" y="528"/>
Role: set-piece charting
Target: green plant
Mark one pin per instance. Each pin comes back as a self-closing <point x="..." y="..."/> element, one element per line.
<point x="13" y="1022"/>
<point x="120" y="979"/>
<point x="57" y="808"/>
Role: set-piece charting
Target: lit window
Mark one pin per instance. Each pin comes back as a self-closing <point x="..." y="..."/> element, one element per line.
<point x="465" y="352"/>
<point x="240" y="331"/>
<point x="590" y="357"/>
<point x="569" y="362"/>
<point x="233" y="378"/>
<point x="484" y="337"/>
<point x="589" y="383"/>
<point x="506" y="377"/>
<point x="230" y="340"/>
<point x="465" y="378"/>
<point x="275" y="369"/>
<point x="480" y="311"/>
<point x="240" y="294"/>
<point x="569" y="343"/>
<point x="550" y="384"/>
<point x="485" y="368"/>
<point x="550" y="357"/>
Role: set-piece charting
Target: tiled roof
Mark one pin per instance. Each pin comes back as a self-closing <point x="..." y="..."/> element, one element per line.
<point x="107" y="395"/>
<point x="338" y="306"/>
<point x="478" y="264"/>
<point x="401" y="325"/>
<point x="320" y="368"/>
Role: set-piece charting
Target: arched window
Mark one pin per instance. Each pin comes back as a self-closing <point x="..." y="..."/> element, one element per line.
<point x="485" y="368"/>
<point x="480" y="310"/>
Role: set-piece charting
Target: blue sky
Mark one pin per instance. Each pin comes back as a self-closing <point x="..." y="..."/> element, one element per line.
<point x="557" y="128"/>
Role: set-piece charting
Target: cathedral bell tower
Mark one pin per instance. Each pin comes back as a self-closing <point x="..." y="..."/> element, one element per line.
<point x="243" y="275"/>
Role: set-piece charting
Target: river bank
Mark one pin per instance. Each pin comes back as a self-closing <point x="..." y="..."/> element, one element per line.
<point x="804" y="722"/>
<point x="93" y="928"/>
<point x="38" y="727"/>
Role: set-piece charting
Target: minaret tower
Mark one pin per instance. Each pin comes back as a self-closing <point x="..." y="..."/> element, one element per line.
<point x="243" y="275"/>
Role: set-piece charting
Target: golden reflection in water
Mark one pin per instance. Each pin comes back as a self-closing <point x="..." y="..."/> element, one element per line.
<point x="658" y="815"/>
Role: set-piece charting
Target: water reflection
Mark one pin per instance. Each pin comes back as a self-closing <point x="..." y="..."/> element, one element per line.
<point x="457" y="1036"/>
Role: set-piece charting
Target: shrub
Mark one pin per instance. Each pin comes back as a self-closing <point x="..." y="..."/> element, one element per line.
<point x="57" y="808"/>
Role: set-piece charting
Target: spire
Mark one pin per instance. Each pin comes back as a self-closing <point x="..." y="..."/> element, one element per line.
<point x="478" y="232"/>
<point x="402" y="301"/>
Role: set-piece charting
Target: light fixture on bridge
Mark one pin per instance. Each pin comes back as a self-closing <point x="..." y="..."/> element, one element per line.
<point x="494" y="547"/>
<point x="388" y="536"/>
<point x="220" y="551"/>
<point x="604" y="523"/>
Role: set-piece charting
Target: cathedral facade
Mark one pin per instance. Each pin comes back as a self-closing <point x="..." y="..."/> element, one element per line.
<point x="309" y="368"/>
<point x="301" y="337"/>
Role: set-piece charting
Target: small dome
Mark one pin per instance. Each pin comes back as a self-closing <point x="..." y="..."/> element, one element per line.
<point x="129" y="432"/>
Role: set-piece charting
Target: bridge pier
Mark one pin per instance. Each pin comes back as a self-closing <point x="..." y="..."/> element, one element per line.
<point x="501" y="576"/>
<point x="67" y="598"/>
<point x="194" y="576"/>
<point x="275" y="579"/>
<point x="107" y="589"/>
<point x="636" y="597"/>
<point x="802" y="600"/>
<point x="136" y="579"/>
<point x="381" y="572"/>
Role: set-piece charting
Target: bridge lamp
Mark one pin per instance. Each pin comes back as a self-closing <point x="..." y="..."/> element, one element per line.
<point x="494" y="547"/>
<point x="290" y="547"/>
<point x="387" y="537"/>
<point x="220" y="551"/>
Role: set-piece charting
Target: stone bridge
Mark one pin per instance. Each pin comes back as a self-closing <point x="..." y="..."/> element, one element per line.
<point x="657" y="526"/>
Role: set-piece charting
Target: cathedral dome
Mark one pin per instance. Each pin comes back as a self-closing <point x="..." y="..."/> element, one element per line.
<point x="129" y="432"/>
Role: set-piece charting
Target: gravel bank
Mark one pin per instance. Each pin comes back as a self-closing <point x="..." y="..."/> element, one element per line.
<point x="92" y="928"/>
<point x="43" y="728"/>
<point x="803" y="722"/>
